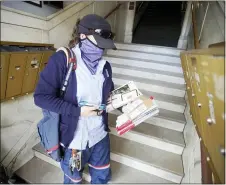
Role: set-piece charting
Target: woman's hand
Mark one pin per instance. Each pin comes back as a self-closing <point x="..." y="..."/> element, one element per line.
<point x="90" y="111"/>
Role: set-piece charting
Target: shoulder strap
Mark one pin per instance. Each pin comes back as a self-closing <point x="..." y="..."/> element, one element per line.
<point x="70" y="56"/>
<point x="71" y="65"/>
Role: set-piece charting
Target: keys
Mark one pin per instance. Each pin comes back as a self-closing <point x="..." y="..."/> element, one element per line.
<point x="75" y="161"/>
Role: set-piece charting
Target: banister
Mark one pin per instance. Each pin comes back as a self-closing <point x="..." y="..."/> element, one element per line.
<point x="112" y="11"/>
<point x="194" y="25"/>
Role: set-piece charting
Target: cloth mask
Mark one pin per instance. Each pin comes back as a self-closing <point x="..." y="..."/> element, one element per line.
<point x="91" y="54"/>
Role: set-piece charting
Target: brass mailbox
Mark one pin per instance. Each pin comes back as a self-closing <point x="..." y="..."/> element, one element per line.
<point x="20" y="67"/>
<point x="44" y="61"/>
<point x="205" y="88"/>
<point x="4" y="73"/>
<point x="16" y="74"/>
<point x="31" y="72"/>
<point x="214" y="121"/>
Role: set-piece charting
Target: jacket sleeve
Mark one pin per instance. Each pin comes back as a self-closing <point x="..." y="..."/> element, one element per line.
<point x="113" y="86"/>
<point x="48" y="87"/>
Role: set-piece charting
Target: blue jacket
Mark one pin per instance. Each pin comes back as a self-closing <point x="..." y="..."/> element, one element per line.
<point x="47" y="91"/>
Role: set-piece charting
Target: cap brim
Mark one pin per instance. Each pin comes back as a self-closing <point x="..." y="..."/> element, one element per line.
<point x="104" y="43"/>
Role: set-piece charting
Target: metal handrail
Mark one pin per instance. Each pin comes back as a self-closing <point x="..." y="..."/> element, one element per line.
<point x="112" y="11"/>
<point x="195" y="32"/>
<point x="203" y="22"/>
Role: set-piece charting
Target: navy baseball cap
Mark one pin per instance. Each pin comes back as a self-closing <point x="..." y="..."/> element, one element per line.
<point x="100" y="29"/>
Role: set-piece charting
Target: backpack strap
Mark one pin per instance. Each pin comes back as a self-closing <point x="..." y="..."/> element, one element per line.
<point x="70" y="55"/>
<point x="71" y="65"/>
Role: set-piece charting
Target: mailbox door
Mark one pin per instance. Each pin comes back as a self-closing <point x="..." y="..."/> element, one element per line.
<point x="31" y="72"/>
<point x="184" y="65"/>
<point x="4" y="68"/>
<point x="215" y="119"/>
<point x="44" y="61"/>
<point x="16" y="74"/>
<point x="192" y="66"/>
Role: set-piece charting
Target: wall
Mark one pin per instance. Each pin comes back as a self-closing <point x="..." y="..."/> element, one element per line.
<point x="65" y="22"/>
<point x="213" y="29"/>
<point x="43" y="11"/>
<point x="121" y="22"/>
<point x="19" y="120"/>
<point x="20" y="26"/>
<point x="191" y="155"/>
<point x="66" y="3"/>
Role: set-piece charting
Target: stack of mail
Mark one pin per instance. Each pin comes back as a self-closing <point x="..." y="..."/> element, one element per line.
<point x="135" y="113"/>
<point x="122" y="96"/>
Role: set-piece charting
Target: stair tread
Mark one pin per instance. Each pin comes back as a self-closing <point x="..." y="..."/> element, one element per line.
<point x="148" y="155"/>
<point x="143" y="63"/>
<point x="149" y="52"/>
<point x="144" y="60"/>
<point x="121" y="173"/>
<point x="147" y="73"/>
<point x="144" y="69"/>
<point x="171" y="115"/>
<point x="153" y="87"/>
<point x="164" y="134"/>
<point x="165" y="119"/>
<point x="163" y="97"/>
<point x="118" y="45"/>
<point x="145" y="55"/>
<point x="149" y="81"/>
<point x="37" y="171"/>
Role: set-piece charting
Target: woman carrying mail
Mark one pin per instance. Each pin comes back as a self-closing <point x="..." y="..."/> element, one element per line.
<point x="83" y="129"/>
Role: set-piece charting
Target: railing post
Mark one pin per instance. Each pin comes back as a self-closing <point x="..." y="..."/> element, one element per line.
<point x="194" y="24"/>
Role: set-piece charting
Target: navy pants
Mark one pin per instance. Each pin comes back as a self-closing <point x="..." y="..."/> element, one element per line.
<point x="98" y="159"/>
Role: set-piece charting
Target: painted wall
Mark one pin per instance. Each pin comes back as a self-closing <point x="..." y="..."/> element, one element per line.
<point x="64" y="23"/>
<point x="66" y="3"/>
<point x="43" y="11"/>
<point x="213" y="29"/>
<point x="191" y="155"/>
<point x="19" y="120"/>
<point x="20" y="26"/>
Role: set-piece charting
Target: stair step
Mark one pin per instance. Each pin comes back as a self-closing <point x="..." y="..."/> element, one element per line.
<point x="149" y="48"/>
<point x="120" y="173"/>
<point x="144" y="55"/>
<point x="165" y="119"/>
<point x="150" y="67"/>
<point x="163" y="98"/>
<point x="167" y="80"/>
<point x="144" y="63"/>
<point x="156" y="162"/>
<point x="37" y="171"/>
<point x="152" y="81"/>
<point x="153" y="88"/>
<point x="165" y="139"/>
<point x="167" y="105"/>
<point x="161" y="163"/>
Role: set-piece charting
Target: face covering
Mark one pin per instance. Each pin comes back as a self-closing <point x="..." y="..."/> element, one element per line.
<point x="90" y="54"/>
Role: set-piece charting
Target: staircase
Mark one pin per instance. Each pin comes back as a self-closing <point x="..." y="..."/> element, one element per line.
<point x="160" y="24"/>
<point x="151" y="152"/>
